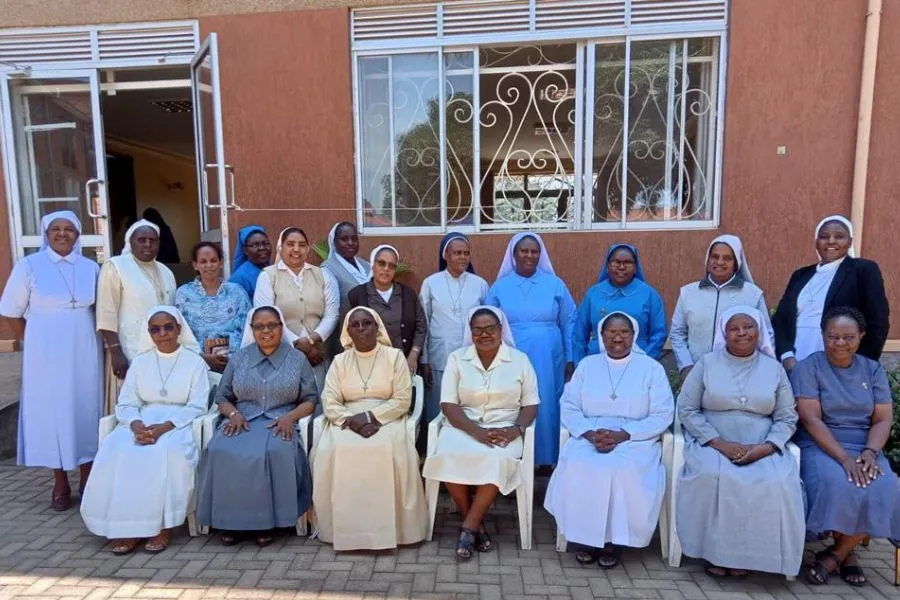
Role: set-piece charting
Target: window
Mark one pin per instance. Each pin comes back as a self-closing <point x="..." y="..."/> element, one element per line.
<point x="582" y="133"/>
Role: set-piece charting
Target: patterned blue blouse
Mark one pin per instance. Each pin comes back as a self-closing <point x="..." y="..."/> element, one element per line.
<point x="222" y="315"/>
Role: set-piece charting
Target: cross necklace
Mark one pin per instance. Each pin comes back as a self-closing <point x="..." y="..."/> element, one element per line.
<point x="365" y="380"/>
<point x="455" y="307"/>
<point x="615" y="386"/>
<point x="71" y="289"/>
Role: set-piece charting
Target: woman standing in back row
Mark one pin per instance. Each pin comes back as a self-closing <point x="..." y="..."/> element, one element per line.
<point x="347" y="270"/>
<point x="838" y="279"/>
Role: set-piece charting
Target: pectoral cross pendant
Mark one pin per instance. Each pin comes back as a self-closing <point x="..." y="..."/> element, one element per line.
<point x="613" y="396"/>
<point x="72" y="303"/>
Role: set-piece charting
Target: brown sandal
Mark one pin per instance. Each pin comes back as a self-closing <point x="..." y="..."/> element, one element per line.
<point x="124" y="546"/>
<point x="264" y="539"/>
<point x="61" y="502"/>
<point x="159" y="542"/>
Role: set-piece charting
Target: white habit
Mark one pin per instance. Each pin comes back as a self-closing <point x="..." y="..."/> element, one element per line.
<point x="615" y="498"/>
<point x="62" y="391"/>
<point x="135" y="491"/>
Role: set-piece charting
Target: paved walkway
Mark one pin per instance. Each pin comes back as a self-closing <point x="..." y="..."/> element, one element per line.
<point x="50" y="555"/>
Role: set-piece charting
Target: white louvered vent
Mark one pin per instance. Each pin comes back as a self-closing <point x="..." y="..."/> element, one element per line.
<point x="156" y="42"/>
<point x="573" y="14"/>
<point x="53" y="47"/>
<point x="464" y="18"/>
<point x="659" y="11"/>
<point x="395" y="23"/>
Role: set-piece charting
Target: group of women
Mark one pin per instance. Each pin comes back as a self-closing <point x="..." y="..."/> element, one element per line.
<point x="279" y="342"/>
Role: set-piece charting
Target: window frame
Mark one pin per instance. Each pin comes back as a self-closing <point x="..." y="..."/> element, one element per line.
<point x="585" y="41"/>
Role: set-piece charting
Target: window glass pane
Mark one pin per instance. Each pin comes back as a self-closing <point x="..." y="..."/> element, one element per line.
<point x="459" y="83"/>
<point x="607" y="118"/>
<point x="527" y="135"/>
<point x="375" y="141"/>
<point x="417" y="156"/>
<point x="671" y="125"/>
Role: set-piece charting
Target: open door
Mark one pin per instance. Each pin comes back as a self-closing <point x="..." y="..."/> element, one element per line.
<point x="215" y="178"/>
<point x="55" y="156"/>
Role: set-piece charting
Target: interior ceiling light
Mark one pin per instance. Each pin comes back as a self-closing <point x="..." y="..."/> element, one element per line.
<point x="174" y="106"/>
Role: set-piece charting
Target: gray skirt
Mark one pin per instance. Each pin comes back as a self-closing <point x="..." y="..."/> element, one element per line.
<point x="253" y="481"/>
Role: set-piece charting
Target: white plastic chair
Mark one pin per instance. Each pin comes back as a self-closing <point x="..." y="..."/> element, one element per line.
<point x="524" y="493"/>
<point x="209" y="429"/>
<point x="677" y="466"/>
<point x="109" y="423"/>
<point x="665" y="516"/>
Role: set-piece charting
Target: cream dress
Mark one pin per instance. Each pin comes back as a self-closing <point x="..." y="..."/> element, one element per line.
<point x="489" y="397"/>
<point x="367" y="492"/>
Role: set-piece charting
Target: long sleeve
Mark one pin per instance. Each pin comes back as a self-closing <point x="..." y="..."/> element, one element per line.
<point x="332" y="306"/>
<point x="767" y="322"/>
<point x="784" y="418"/>
<point x="109" y="297"/>
<point x="236" y="331"/>
<point x="265" y="293"/>
<point x="571" y="413"/>
<point x="425" y="297"/>
<point x="678" y="336"/>
<point x="128" y="406"/>
<point x="690" y="411"/>
<point x="581" y="331"/>
<point x="398" y="405"/>
<point x="876" y="310"/>
<point x="225" y="389"/>
<point x="566" y="320"/>
<point x="198" y="396"/>
<point x="662" y="408"/>
<point x="421" y="325"/>
<point x="784" y="322"/>
<point x="657" y="336"/>
<point x="17" y="293"/>
<point x="332" y="398"/>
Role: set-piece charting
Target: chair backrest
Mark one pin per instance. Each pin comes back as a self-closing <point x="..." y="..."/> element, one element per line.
<point x="418" y="399"/>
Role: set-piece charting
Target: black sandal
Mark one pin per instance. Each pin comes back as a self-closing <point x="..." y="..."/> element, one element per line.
<point x="817" y="573"/>
<point x="483" y="542"/>
<point x="587" y="557"/>
<point x="848" y="572"/>
<point x="231" y="538"/>
<point x="465" y="545"/>
<point x="609" y="559"/>
<point x="708" y="569"/>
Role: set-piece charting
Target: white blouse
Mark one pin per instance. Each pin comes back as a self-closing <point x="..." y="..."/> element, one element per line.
<point x="447" y="301"/>
<point x="810" y="309"/>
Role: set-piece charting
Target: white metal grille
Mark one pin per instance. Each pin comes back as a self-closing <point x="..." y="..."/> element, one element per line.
<point x="97" y="45"/>
<point x="460" y="22"/>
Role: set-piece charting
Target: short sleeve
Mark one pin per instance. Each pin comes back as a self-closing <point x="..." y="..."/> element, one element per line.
<point x="17" y="293"/>
<point x="881" y="387"/>
<point x="804" y="380"/>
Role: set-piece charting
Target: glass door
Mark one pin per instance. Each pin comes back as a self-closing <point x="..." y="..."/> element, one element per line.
<point x="214" y="176"/>
<point x="56" y="158"/>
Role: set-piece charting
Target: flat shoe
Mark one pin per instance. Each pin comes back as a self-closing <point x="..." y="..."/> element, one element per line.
<point x="264" y="540"/>
<point x="608" y="560"/>
<point x="586" y="557"/>
<point x="848" y="571"/>
<point x="123" y="547"/>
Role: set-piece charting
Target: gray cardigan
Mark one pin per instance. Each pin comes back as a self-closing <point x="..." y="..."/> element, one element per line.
<point x="698" y="309"/>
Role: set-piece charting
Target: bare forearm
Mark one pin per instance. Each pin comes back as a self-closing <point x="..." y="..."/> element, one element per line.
<point x="825" y="440"/>
<point x="226" y="408"/>
<point x="878" y="435"/>
<point x="526" y="416"/>
<point x="304" y="409"/>
<point x="17" y="325"/>
<point x="110" y="339"/>
<point x="457" y="417"/>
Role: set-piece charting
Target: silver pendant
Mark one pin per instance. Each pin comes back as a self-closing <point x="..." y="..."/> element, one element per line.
<point x="613" y="396"/>
<point x="456" y="310"/>
<point x="743" y="399"/>
<point x="865" y="385"/>
<point x="163" y="393"/>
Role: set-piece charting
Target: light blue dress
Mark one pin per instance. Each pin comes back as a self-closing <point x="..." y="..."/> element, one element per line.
<point x="638" y="299"/>
<point x="243" y="272"/>
<point x="541" y="313"/>
<point x="219" y="316"/>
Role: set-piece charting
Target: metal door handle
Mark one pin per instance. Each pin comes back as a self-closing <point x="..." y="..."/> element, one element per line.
<point x="87" y="197"/>
<point x="229" y="169"/>
<point x="205" y="190"/>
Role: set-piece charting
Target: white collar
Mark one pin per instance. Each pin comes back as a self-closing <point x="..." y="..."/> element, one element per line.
<point x="281" y="266"/>
<point x="832" y="266"/>
<point x="70" y="258"/>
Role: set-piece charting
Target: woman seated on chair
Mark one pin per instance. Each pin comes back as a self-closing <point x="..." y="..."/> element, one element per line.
<point x="844" y="401"/>
<point x="739" y="505"/>
<point x="367" y="490"/>
<point x="609" y="485"/>
<point x="489" y="396"/>
<point x="255" y="476"/>
<point x="143" y="476"/>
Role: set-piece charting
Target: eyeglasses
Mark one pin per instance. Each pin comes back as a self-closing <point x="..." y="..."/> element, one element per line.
<point x="259" y="327"/>
<point x="360" y="325"/>
<point x="490" y="330"/>
<point x="258" y="246"/>
<point x="618" y="264"/>
<point x="383" y="264"/>
<point x="158" y="329"/>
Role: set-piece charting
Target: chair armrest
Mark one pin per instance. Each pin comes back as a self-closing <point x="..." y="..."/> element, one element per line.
<point x="207" y="428"/>
<point x="419" y="406"/>
<point x="528" y="450"/>
<point x="563" y="438"/>
<point x="434" y="428"/>
<point x="107" y="425"/>
<point x="318" y="428"/>
<point x="794" y="449"/>
<point x="302" y="427"/>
